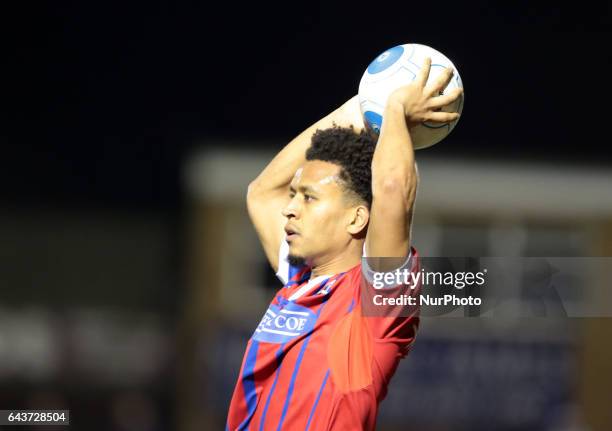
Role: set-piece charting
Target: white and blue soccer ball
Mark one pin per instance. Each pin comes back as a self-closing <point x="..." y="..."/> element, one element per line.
<point x="395" y="68"/>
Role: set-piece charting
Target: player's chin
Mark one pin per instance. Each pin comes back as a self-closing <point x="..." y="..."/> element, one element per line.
<point x="295" y="259"/>
<point x="294" y="242"/>
<point x="294" y="249"/>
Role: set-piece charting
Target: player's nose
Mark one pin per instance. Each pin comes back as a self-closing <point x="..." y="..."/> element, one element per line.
<point x="290" y="210"/>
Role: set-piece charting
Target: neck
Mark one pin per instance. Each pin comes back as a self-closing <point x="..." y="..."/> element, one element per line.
<point x="343" y="261"/>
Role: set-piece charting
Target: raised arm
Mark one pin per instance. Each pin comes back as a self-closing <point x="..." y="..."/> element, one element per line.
<point x="268" y="194"/>
<point x="394" y="175"/>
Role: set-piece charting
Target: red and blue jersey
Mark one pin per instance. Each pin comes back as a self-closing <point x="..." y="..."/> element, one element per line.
<point x="315" y="362"/>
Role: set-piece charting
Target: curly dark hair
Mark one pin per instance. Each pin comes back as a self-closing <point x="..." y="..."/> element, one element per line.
<point x="350" y="150"/>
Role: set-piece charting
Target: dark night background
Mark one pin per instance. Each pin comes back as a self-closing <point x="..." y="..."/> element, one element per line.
<point x="105" y="99"/>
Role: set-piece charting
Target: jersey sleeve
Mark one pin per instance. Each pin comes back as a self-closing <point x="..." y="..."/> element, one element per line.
<point x="393" y="325"/>
<point x="368" y="272"/>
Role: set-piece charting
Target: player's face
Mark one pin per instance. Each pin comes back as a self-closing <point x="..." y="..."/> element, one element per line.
<point x="318" y="213"/>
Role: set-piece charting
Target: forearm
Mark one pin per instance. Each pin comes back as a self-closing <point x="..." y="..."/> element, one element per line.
<point x="393" y="160"/>
<point x="394" y="176"/>
<point x="278" y="173"/>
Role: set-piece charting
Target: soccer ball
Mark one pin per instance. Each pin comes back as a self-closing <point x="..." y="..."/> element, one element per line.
<point x="395" y="68"/>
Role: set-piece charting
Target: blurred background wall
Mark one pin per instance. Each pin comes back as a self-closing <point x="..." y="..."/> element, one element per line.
<point x="463" y="373"/>
<point x="132" y="131"/>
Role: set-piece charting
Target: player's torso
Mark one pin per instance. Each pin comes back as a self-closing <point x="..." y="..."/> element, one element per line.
<point x="287" y="372"/>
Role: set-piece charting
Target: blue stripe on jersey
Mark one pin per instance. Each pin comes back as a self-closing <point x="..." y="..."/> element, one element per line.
<point x="314" y="406"/>
<point x="351" y="306"/>
<point x="248" y="384"/>
<point x="293" y="270"/>
<point x="279" y="354"/>
<point x="295" y="372"/>
<point x="325" y="286"/>
<point x="300" y="280"/>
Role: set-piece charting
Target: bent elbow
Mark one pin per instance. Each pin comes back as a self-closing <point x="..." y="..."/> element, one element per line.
<point x="252" y="190"/>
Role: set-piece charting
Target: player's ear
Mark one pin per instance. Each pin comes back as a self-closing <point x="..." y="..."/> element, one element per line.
<point x="360" y="215"/>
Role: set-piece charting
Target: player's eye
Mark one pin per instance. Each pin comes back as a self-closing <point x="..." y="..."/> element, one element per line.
<point x="308" y="198"/>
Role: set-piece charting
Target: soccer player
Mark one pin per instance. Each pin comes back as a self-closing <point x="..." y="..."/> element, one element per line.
<point x="333" y="194"/>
